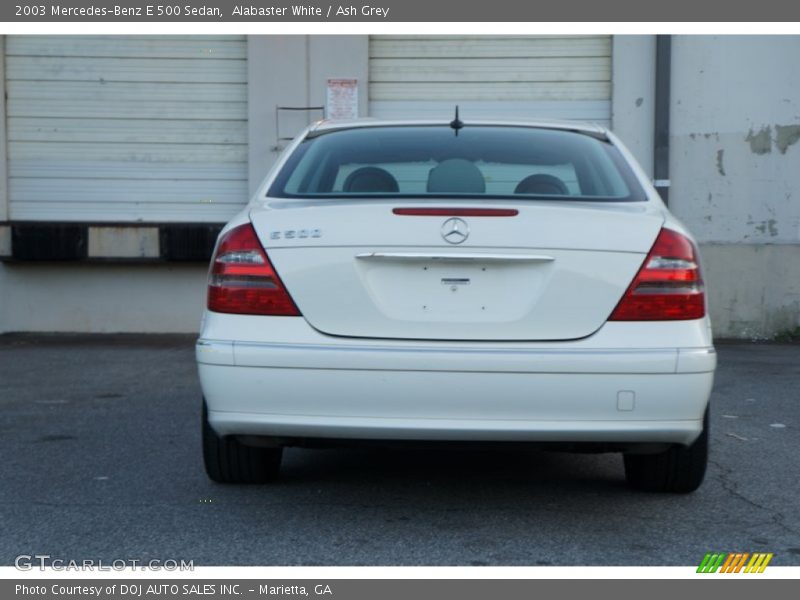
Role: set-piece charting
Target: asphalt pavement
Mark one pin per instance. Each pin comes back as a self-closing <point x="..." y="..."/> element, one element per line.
<point x="100" y="459"/>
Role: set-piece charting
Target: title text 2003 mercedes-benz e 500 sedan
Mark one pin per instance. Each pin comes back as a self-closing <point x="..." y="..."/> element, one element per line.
<point x="438" y="281"/>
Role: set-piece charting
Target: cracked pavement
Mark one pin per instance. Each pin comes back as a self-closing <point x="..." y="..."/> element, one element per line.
<point x="100" y="458"/>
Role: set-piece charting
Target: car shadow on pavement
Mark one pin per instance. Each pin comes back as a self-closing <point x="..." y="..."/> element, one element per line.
<point x="452" y="468"/>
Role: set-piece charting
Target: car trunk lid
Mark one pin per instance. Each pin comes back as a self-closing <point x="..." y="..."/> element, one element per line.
<point x="541" y="271"/>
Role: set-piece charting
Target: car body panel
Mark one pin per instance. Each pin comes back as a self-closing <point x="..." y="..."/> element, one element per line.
<point x="341" y="371"/>
<point x="553" y="271"/>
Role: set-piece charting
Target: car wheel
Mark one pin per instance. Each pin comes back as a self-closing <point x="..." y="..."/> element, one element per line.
<point x="229" y="461"/>
<point x="678" y="470"/>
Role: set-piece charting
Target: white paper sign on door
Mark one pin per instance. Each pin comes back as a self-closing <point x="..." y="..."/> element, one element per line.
<point x="342" y="99"/>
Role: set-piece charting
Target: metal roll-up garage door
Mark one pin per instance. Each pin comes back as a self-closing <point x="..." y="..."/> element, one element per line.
<point x="126" y="128"/>
<point x="565" y="77"/>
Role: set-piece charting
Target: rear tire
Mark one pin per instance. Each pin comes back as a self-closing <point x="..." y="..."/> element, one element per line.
<point x="679" y="470"/>
<point x="229" y="461"/>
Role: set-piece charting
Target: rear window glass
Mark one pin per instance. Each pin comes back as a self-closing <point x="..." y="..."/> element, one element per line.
<point x="432" y="161"/>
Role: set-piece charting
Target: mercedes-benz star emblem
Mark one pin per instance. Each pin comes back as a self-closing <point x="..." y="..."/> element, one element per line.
<point x="455" y="231"/>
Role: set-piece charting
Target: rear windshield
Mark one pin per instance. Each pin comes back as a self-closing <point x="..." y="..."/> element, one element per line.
<point x="479" y="162"/>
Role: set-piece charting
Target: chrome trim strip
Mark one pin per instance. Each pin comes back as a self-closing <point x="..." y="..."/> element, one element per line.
<point x="472" y="256"/>
<point x="696" y="360"/>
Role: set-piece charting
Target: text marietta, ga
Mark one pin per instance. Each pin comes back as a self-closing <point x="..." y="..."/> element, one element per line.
<point x="154" y="589"/>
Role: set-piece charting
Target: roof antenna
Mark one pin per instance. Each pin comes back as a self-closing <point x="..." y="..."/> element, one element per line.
<point x="456" y="123"/>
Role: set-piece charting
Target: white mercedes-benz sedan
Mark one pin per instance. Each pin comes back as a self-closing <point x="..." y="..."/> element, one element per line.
<point x="457" y="281"/>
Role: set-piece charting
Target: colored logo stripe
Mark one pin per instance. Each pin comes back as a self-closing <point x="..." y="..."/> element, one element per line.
<point x="738" y="562"/>
<point x="758" y="563"/>
<point x="711" y="562"/>
<point x="734" y="562"/>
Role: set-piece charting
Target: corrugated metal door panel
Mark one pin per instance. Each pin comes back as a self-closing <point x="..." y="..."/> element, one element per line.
<point x="140" y="191"/>
<point x="126" y="128"/>
<point x="158" y="131"/>
<point x="104" y="70"/>
<point x="500" y="91"/>
<point x="596" y="111"/>
<point x="136" y="152"/>
<point x="123" y="170"/>
<point x="486" y="70"/>
<point x="458" y="46"/>
<point x="105" y="91"/>
<point x="566" y="77"/>
<point x="156" y="46"/>
<point x="125" y="109"/>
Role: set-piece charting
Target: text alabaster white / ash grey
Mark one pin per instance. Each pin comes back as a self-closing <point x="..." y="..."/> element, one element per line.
<point x="301" y="10"/>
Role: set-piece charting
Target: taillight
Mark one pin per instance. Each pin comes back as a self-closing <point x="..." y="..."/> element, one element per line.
<point x="242" y="280"/>
<point x="668" y="286"/>
<point x="456" y="212"/>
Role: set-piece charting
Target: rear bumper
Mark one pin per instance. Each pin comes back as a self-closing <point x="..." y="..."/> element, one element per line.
<point x="368" y="390"/>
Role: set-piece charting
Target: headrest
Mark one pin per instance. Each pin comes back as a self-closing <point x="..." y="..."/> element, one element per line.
<point x="456" y="175"/>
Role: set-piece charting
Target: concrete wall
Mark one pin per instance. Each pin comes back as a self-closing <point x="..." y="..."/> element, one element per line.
<point x="735" y="171"/>
<point x="633" y="81"/>
<point x="102" y="298"/>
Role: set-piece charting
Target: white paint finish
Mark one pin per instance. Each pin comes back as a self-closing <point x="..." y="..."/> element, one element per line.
<point x="626" y="400"/>
<point x="123" y="242"/>
<point x="142" y="131"/>
<point x="492" y="76"/>
<point x="522" y="122"/>
<point x="594" y="252"/>
<point x="326" y="386"/>
<point x="753" y="289"/>
<point x="101" y="298"/>
<point x="693" y="335"/>
<point x="439" y="390"/>
<point x="423" y="357"/>
<point x="567" y="298"/>
<point x="462" y="358"/>
<point x="518" y="429"/>
<point x="696" y="360"/>
<point x="215" y="353"/>
<point x="633" y="95"/>
<point x="597" y="249"/>
<point x="724" y="89"/>
<point x="483" y="405"/>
